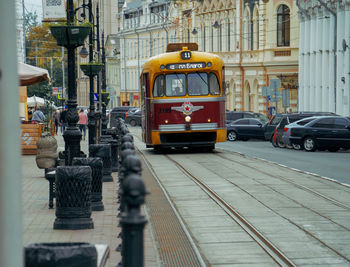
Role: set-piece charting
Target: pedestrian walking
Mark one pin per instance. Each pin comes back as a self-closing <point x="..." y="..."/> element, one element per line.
<point x="83" y="121"/>
<point x="38" y="116"/>
<point x="63" y="119"/>
<point x="56" y="120"/>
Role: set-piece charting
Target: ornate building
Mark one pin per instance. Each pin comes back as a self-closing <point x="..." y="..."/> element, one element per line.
<point x="324" y="56"/>
<point x="108" y="21"/>
<point x="258" y="41"/>
<point x="145" y="32"/>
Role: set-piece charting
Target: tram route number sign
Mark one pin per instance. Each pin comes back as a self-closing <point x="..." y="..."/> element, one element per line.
<point x="183" y="66"/>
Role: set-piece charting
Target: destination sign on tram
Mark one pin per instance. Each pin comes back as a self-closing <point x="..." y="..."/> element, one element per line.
<point x="184" y="66"/>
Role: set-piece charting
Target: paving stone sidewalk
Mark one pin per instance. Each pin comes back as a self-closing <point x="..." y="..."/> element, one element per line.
<point x="38" y="219"/>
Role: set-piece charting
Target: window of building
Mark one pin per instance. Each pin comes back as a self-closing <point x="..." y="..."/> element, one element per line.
<point x="283" y="26"/>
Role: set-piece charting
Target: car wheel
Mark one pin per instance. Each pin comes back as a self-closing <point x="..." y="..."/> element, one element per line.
<point x="297" y="147"/>
<point x="280" y="144"/>
<point x="333" y="149"/>
<point x="232" y="136"/>
<point x="132" y="123"/>
<point x="309" y="144"/>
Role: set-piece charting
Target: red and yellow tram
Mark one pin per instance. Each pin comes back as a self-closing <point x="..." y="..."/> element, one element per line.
<point x="183" y="99"/>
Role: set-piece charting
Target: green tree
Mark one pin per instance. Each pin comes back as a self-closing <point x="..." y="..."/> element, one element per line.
<point x="43" y="52"/>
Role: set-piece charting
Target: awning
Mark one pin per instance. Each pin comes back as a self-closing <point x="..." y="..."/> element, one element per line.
<point x="30" y="75"/>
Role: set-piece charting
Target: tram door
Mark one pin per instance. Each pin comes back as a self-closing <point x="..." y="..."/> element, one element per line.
<point x="146" y="108"/>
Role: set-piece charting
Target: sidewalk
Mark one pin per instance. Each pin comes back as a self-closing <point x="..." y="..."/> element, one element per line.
<point x="38" y="219"/>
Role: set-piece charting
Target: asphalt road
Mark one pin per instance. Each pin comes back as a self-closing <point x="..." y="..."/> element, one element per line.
<point x="329" y="164"/>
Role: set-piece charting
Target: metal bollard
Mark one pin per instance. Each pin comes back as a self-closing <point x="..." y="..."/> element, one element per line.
<point x="96" y="166"/>
<point x="73" y="198"/>
<point x="103" y="151"/>
<point x="108" y="139"/>
<point x="132" y="221"/>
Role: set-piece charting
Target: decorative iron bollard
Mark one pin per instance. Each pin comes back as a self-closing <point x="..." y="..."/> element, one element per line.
<point x="96" y="166"/>
<point x="132" y="221"/>
<point x="108" y="139"/>
<point x="60" y="254"/>
<point x="73" y="198"/>
<point x="103" y="151"/>
<point x="111" y="131"/>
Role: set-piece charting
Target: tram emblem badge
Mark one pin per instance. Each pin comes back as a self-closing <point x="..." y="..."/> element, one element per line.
<point x="187" y="108"/>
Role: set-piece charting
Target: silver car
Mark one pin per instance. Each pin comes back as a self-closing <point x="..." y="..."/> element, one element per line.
<point x="299" y="123"/>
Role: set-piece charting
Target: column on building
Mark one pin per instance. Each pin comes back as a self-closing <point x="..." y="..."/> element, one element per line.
<point x="331" y="95"/>
<point x="306" y="64"/>
<point x="318" y="66"/>
<point x="301" y="76"/>
<point x="325" y="60"/>
<point x="312" y="65"/>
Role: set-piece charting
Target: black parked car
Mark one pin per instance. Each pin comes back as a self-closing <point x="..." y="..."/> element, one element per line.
<point x="244" y="129"/>
<point x="231" y="116"/>
<point x="133" y="117"/>
<point x="117" y="112"/>
<point x="331" y="132"/>
<point x="285" y="118"/>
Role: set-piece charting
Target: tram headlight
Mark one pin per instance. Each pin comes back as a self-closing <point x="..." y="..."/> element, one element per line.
<point x="166" y="121"/>
<point x="187" y="119"/>
<point x="209" y="120"/>
<point x="209" y="64"/>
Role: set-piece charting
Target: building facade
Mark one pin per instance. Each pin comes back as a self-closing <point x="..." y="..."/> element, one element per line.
<point x="145" y="31"/>
<point x="108" y="26"/>
<point x="324" y="69"/>
<point x="258" y="41"/>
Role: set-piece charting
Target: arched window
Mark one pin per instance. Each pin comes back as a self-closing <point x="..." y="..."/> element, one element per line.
<point x="283" y="26"/>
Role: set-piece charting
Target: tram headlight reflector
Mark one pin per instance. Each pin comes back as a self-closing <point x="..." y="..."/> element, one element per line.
<point x="187" y="119"/>
<point x="209" y="120"/>
<point x="209" y="64"/>
<point x="166" y="121"/>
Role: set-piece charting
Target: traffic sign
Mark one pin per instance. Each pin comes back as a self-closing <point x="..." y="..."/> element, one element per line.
<point x="275" y="93"/>
<point x="265" y="91"/>
<point x="275" y="99"/>
<point x="275" y="83"/>
<point x="95" y="97"/>
<point x="60" y="93"/>
<point x="285" y="101"/>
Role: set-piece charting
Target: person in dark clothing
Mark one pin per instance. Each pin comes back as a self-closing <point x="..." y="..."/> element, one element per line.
<point x="56" y="120"/>
<point x="63" y="119"/>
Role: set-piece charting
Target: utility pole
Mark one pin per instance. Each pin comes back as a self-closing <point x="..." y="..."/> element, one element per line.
<point x="63" y="73"/>
<point x="91" y="115"/>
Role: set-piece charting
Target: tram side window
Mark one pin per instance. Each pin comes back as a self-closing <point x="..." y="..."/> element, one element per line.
<point x="158" y="88"/>
<point x="214" y="84"/>
<point x="198" y="83"/>
<point x="175" y="84"/>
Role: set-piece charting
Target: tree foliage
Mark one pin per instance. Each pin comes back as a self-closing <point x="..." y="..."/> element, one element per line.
<point x="42" y="51"/>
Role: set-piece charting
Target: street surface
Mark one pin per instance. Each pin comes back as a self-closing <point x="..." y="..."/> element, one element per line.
<point x="334" y="165"/>
<point x="241" y="210"/>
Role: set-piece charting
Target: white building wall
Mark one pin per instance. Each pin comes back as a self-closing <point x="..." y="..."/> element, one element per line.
<point x="324" y="74"/>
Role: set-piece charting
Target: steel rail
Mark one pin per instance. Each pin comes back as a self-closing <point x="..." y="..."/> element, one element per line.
<point x="335" y="202"/>
<point x="262" y="241"/>
<point x="183" y="225"/>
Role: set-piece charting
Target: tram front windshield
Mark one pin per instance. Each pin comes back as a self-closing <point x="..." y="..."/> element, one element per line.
<point x="192" y="84"/>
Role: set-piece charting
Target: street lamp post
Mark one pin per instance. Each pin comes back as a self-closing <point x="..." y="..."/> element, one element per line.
<point x="104" y="105"/>
<point x="71" y="135"/>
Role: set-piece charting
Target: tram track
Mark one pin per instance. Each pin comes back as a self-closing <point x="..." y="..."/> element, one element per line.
<point x="244" y="222"/>
<point x="335" y="202"/>
<point x="268" y="243"/>
<point x="278" y="256"/>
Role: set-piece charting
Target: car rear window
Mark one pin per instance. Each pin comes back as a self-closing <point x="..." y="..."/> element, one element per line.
<point x="303" y="122"/>
<point x="276" y="120"/>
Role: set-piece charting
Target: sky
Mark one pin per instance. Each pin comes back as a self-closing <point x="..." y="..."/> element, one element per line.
<point x="34" y="5"/>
